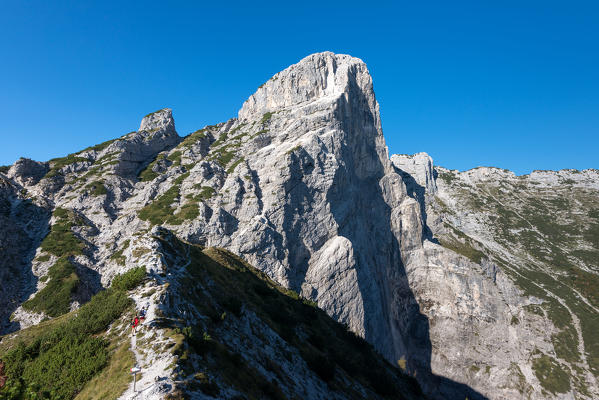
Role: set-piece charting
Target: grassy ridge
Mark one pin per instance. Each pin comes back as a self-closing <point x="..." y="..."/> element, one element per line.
<point x="61" y="241"/>
<point x="122" y="359"/>
<point x="55" y="298"/>
<point x="221" y="285"/>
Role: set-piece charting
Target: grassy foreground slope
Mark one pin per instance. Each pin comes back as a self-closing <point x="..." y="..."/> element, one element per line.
<point x="58" y="358"/>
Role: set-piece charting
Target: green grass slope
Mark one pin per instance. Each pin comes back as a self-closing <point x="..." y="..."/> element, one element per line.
<point x="59" y="358"/>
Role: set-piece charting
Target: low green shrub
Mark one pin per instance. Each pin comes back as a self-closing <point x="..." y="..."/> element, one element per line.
<point x="61" y="241"/>
<point x="192" y="138"/>
<point x="55" y="298"/>
<point x="206" y="192"/>
<point x="187" y="212"/>
<point x="43" y="258"/>
<point x="56" y="164"/>
<point x="175" y="157"/>
<point x="160" y="211"/>
<point x="118" y="255"/>
<point x="97" y="188"/>
<point x="88" y="354"/>
<point x="148" y="173"/>
<point x="266" y="117"/>
<point x="130" y="279"/>
<point x="551" y="374"/>
<point x="234" y="165"/>
<point x="58" y="363"/>
<point x="224" y="156"/>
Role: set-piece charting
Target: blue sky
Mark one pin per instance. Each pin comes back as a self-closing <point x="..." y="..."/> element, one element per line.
<point x="513" y="84"/>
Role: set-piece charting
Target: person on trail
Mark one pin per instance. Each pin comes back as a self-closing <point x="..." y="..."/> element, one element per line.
<point x="142" y="314"/>
<point x="134" y="324"/>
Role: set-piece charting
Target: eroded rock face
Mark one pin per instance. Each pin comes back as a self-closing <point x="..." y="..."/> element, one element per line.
<point x="301" y="185"/>
<point x="311" y="202"/>
<point x="22" y="223"/>
<point x="419" y="167"/>
<point x="156" y="133"/>
<point x="27" y="171"/>
<point x="495" y="307"/>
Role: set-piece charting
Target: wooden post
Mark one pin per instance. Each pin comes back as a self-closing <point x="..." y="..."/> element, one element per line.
<point x="134" y="371"/>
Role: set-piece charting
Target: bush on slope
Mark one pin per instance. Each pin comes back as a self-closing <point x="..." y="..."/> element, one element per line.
<point x="55" y="362"/>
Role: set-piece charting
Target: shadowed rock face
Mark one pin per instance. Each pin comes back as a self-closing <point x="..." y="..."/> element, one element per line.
<point x="301" y="185"/>
<point x="22" y="223"/>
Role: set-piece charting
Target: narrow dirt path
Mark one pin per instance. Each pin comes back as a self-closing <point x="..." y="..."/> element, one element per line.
<point x="153" y="381"/>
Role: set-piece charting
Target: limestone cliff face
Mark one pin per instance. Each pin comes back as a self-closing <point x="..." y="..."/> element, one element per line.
<point x="302" y="187"/>
<point x="508" y="309"/>
<point x="313" y="197"/>
<point x="417" y="170"/>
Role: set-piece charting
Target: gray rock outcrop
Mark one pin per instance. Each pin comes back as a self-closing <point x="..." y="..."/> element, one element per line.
<point x="27" y="172"/>
<point x="419" y="167"/>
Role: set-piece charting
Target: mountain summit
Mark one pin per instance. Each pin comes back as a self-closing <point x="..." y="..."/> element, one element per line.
<point x="318" y="77"/>
<point x="244" y="226"/>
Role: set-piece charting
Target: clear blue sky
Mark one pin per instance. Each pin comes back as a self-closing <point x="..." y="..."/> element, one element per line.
<point x="513" y="84"/>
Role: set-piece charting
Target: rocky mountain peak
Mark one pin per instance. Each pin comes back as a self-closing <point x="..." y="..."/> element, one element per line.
<point x="317" y="77"/>
<point x="156" y="133"/>
<point x="418" y="166"/>
<point x="161" y="120"/>
<point x="27" y="171"/>
<point x="433" y="267"/>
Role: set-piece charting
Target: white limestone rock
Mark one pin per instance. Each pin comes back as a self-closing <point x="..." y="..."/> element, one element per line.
<point x="27" y="171"/>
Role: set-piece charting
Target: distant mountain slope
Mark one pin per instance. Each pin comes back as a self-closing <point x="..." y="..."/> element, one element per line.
<point x="539" y="231"/>
<point x="542" y="230"/>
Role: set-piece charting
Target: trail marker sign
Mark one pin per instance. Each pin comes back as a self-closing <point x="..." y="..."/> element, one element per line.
<point x="134" y="371"/>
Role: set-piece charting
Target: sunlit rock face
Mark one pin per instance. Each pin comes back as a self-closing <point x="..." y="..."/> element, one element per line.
<point x="301" y="185"/>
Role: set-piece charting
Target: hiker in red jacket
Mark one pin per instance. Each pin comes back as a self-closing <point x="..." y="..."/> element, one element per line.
<point x="134" y="324"/>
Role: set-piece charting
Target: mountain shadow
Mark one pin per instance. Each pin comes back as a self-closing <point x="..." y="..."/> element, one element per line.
<point x="392" y="318"/>
<point x="418" y="193"/>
